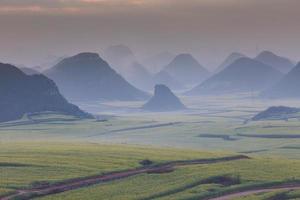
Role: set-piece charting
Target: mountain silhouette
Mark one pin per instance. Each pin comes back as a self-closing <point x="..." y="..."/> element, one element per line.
<point x="21" y="94"/>
<point x="287" y="87"/>
<point x="229" y="60"/>
<point x="163" y="100"/>
<point x="244" y="75"/>
<point x="186" y="69"/>
<point x="280" y="63"/>
<point x="86" y="76"/>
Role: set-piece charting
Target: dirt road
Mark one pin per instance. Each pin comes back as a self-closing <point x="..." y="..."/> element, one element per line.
<point x="285" y="187"/>
<point x="84" y="182"/>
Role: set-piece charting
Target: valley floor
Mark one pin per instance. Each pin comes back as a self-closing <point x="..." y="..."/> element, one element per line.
<point x="41" y="152"/>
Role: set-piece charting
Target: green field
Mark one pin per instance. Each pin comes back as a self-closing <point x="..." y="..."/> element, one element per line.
<point x="175" y="185"/>
<point x="50" y="148"/>
<point x="295" y="195"/>
<point x="25" y="165"/>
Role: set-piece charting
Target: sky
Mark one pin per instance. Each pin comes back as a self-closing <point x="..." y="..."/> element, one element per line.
<point x="36" y="31"/>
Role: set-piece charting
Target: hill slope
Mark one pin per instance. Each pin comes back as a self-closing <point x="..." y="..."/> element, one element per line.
<point x="186" y="69"/>
<point x="163" y="100"/>
<point x="244" y="75"/>
<point x="229" y="60"/>
<point x="280" y="63"/>
<point x="140" y="77"/>
<point x="120" y="58"/>
<point x="21" y="93"/>
<point x="287" y="87"/>
<point x="87" y="77"/>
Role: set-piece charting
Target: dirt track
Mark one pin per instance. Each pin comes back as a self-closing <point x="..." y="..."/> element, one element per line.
<point x="79" y="183"/>
<point x="285" y="187"/>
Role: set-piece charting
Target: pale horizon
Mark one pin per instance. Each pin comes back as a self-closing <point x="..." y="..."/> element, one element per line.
<point x="33" y="32"/>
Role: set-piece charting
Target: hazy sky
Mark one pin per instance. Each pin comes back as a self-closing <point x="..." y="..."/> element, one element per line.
<point x="35" y="30"/>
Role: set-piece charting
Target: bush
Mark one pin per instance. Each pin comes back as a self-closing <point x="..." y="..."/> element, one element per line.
<point x="146" y="162"/>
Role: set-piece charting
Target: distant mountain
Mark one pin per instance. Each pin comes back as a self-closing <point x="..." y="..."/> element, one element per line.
<point x="156" y="62"/>
<point x="279" y="112"/>
<point x="287" y="87"/>
<point x="21" y="94"/>
<point x="49" y="62"/>
<point x="120" y="57"/>
<point x="164" y="78"/>
<point x="29" y="71"/>
<point x="118" y="52"/>
<point x="140" y="77"/>
<point x="229" y="60"/>
<point x="244" y="75"/>
<point x="88" y="77"/>
<point x="163" y="100"/>
<point x="280" y="63"/>
<point x="186" y="69"/>
<point x="123" y="60"/>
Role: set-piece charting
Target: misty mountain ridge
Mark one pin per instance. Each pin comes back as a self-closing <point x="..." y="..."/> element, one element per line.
<point x="164" y="78"/>
<point x="244" y="75"/>
<point x="120" y="57"/>
<point x="156" y="62"/>
<point x="287" y="87"/>
<point x="182" y="70"/>
<point x="49" y="62"/>
<point x="280" y="63"/>
<point x="229" y="60"/>
<point x="140" y="77"/>
<point x="86" y="76"/>
<point x="119" y="51"/>
<point x="144" y="80"/>
<point x="21" y="94"/>
<point x="163" y="100"/>
<point x="123" y="60"/>
<point x="186" y="69"/>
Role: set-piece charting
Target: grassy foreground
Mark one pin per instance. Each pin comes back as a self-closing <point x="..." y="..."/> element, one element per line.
<point x="185" y="182"/>
<point x="29" y="164"/>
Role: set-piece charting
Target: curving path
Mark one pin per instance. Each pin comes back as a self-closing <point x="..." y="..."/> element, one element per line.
<point x="285" y="187"/>
<point x="84" y="182"/>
